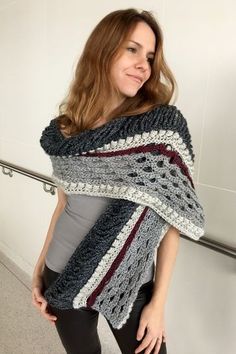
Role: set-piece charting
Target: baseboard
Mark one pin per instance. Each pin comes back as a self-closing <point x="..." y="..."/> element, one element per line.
<point x="16" y="265"/>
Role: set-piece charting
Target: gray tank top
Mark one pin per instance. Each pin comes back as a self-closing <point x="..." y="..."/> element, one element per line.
<point x="73" y="224"/>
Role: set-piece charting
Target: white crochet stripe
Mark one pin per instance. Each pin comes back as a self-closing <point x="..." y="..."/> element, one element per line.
<point x="185" y="226"/>
<point x="158" y="137"/>
<point x="107" y="260"/>
<point x="163" y="232"/>
<point x="126" y="316"/>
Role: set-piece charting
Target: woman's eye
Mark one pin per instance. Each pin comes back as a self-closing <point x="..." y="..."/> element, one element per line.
<point x="132" y="49"/>
<point x="151" y="60"/>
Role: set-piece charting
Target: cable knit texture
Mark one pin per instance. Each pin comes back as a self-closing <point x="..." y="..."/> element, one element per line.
<point x="145" y="162"/>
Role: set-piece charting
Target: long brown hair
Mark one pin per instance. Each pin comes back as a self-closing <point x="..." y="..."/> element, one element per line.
<point x="91" y="86"/>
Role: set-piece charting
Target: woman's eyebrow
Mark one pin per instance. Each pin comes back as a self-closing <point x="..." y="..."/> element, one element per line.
<point x="139" y="45"/>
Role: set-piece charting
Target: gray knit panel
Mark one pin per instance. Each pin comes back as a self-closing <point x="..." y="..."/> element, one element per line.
<point x="120" y="292"/>
<point x="152" y="174"/>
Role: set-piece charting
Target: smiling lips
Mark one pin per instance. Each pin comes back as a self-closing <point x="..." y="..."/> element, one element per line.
<point x="136" y="78"/>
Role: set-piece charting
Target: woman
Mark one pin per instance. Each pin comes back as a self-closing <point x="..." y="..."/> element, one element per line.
<point x="117" y="78"/>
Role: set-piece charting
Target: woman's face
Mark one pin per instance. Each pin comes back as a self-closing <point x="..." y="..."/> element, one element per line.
<point x="132" y="68"/>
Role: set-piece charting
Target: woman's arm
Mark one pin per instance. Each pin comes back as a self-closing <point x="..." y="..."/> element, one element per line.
<point x="152" y="316"/>
<point x="165" y="260"/>
<point x="38" y="299"/>
<point x="62" y="198"/>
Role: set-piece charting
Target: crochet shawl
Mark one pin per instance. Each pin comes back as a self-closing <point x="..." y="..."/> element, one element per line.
<point x="145" y="164"/>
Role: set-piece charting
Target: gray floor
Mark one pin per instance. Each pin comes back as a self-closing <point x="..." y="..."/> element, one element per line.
<point x="22" y="329"/>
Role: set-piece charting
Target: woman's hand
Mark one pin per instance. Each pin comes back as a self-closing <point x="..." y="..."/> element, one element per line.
<point x="151" y="319"/>
<point x="38" y="300"/>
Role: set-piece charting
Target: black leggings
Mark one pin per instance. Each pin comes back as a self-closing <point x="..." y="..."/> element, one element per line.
<point x="77" y="328"/>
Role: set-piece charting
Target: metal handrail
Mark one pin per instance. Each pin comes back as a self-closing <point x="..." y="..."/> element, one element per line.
<point x="34" y="175"/>
<point x="203" y="241"/>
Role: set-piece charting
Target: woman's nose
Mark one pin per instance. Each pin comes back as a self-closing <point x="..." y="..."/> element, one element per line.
<point x="142" y="63"/>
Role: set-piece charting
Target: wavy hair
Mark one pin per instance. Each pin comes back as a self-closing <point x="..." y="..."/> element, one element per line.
<point x="91" y="86"/>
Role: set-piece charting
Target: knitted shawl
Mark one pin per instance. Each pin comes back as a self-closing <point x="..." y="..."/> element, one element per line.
<point x="145" y="164"/>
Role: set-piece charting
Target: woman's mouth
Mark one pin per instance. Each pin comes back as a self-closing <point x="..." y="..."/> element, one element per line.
<point x="135" y="78"/>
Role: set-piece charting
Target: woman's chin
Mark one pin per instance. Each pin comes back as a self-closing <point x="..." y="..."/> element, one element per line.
<point x="130" y="93"/>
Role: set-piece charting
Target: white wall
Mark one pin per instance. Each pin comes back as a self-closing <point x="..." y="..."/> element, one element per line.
<point x="40" y="44"/>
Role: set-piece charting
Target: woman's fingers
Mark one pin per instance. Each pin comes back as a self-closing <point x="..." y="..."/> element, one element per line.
<point x="164" y="336"/>
<point x="39" y="301"/>
<point x="37" y="297"/>
<point x="46" y="314"/>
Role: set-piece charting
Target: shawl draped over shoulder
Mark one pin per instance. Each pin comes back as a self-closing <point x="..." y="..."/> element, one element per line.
<point x="145" y="163"/>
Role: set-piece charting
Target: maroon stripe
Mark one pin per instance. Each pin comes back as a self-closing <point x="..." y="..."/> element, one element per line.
<point x="117" y="261"/>
<point x="176" y="159"/>
<point x="173" y="155"/>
